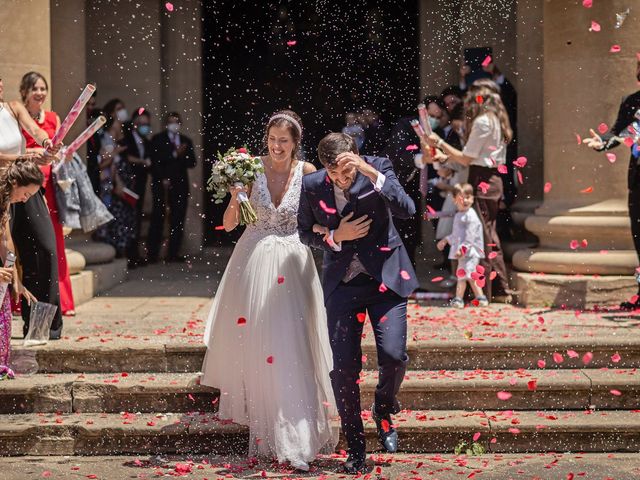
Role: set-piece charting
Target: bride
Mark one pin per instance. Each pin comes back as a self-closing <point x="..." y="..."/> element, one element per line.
<point x="267" y="342"/>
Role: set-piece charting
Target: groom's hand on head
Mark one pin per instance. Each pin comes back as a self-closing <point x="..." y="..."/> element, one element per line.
<point x="348" y="160"/>
<point x="352" y="229"/>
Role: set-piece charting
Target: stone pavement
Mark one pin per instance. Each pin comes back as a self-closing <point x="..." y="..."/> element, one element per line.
<point x="123" y="381"/>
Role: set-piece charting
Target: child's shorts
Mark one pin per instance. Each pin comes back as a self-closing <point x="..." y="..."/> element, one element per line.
<point x="468" y="264"/>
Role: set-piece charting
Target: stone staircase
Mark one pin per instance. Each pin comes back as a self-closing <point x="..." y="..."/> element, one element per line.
<point x="93" y="398"/>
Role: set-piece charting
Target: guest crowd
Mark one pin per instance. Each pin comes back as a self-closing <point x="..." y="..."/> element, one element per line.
<point x="45" y="193"/>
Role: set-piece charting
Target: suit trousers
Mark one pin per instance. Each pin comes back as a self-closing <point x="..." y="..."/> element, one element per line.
<point x="177" y="199"/>
<point x="388" y="314"/>
<point x="139" y="187"/>
<point x="634" y="216"/>
<point x="35" y="242"/>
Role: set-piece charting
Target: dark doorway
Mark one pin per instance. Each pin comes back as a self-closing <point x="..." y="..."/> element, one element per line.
<point x="320" y="58"/>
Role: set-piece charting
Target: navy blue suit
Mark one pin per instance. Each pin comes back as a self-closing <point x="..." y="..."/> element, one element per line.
<point x="385" y="258"/>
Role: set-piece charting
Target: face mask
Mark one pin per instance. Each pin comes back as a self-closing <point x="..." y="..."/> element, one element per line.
<point x="434" y="123"/>
<point x="122" y="115"/>
<point x="144" y="130"/>
<point x="173" y="127"/>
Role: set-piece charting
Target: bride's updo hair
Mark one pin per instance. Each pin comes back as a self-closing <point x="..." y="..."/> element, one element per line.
<point x="292" y="122"/>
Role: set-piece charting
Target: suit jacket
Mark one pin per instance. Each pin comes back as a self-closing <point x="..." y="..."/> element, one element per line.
<point x="626" y="116"/>
<point x="129" y="141"/>
<point x="165" y="166"/>
<point x="381" y="252"/>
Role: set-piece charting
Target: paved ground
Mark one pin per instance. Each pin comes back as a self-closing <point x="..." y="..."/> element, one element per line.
<point x="396" y="467"/>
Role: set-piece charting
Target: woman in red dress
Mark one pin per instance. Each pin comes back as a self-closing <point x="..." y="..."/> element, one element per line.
<point x="34" y="90"/>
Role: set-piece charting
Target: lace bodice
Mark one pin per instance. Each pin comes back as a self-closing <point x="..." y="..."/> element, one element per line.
<point x="280" y="221"/>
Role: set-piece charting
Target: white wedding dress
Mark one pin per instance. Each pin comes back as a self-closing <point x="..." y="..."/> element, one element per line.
<point x="267" y="342"/>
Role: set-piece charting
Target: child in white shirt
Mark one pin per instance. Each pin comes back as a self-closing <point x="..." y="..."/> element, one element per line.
<point x="467" y="243"/>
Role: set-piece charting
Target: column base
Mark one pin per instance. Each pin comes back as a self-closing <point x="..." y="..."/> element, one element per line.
<point x="573" y="291"/>
<point x="568" y="262"/>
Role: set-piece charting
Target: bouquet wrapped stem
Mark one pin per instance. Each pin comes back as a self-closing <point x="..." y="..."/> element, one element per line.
<point x="247" y="213"/>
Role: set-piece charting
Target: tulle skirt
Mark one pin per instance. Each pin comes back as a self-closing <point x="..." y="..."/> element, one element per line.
<point x="268" y="349"/>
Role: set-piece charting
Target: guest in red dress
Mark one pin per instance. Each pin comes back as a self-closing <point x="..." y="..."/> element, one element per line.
<point x="34" y="90"/>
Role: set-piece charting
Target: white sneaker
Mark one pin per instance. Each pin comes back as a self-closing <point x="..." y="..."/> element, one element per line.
<point x="456" y="303"/>
<point x="300" y="465"/>
<point x="482" y="301"/>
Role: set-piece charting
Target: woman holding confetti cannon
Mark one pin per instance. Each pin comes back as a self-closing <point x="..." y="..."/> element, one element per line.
<point x="34" y="90"/>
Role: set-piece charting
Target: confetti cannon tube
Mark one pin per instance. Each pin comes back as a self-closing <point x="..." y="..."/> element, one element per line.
<point x="73" y="114"/>
<point x="86" y="135"/>
<point x="424" y="118"/>
<point x="421" y="133"/>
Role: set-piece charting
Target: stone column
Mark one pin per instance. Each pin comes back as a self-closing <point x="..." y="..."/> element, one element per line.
<point x="583" y="85"/>
<point x="25" y="42"/>
<point x="528" y="82"/>
<point x="181" y="85"/>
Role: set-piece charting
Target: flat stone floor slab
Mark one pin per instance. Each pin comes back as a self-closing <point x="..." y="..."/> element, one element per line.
<point x="616" y="466"/>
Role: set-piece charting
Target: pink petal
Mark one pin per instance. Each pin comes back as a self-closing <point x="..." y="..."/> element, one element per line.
<point x="487" y="61"/>
<point x="504" y="395"/>
<point x="385" y="249"/>
<point x="579" y="139"/>
<point x="484" y="186"/>
<point x="140" y="110"/>
<point x="291" y="43"/>
<point x="503" y="169"/>
<point x="493" y="275"/>
<point x="628" y="141"/>
<point x="584" y="243"/>
<point x="519" y="175"/>
<point x="547" y="187"/>
<point x="437" y="279"/>
<point x="476" y="436"/>
<point x="587" y="190"/>
<point x="617" y="393"/>
<point x="602" y="128"/>
<point x="405" y="275"/>
<point x="461" y="273"/>
<point x="595" y="26"/>
<point x="169" y="6"/>
<point x="615" y="49"/>
<point x="587" y="357"/>
<point x="411" y="148"/>
<point x="572" y="354"/>
<point x="493" y="255"/>
<point x="270" y="359"/>
<point x="558" y="358"/>
<point x="382" y="288"/>
<point x="573" y="244"/>
<point x="280" y="280"/>
<point x="515" y="431"/>
<point x="615" y="358"/>
<point x="611" y="157"/>
<point x="327" y="209"/>
<point x="520" y="162"/>
<point x="587" y="3"/>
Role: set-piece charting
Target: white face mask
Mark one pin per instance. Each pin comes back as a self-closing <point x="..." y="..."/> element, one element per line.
<point x="122" y="115"/>
<point x="173" y="127"/>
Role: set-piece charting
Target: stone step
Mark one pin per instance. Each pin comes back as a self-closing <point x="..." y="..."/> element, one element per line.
<point x="420" y="431"/>
<point x="446" y="390"/>
<point x="89" y="355"/>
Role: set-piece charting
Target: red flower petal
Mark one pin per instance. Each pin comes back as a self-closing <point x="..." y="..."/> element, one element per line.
<point x="611" y="157"/>
<point x="503" y="169"/>
<point x="542" y="364"/>
<point x="487" y="61"/>
<point x="411" y="148"/>
<point x="382" y="288"/>
<point x="280" y="280"/>
<point x="327" y="209"/>
<point x="405" y="275"/>
<point x="242" y="321"/>
<point x="615" y="358"/>
<point x="361" y="317"/>
<point x="617" y="393"/>
<point x="602" y="128"/>
<point x="615" y="49"/>
<point x="476" y="436"/>
<point x="169" y="6"/>
<point x="291" y="43"/>
<point x="587" y="357"/>
<point x="595" y="26"/>
<point x="587" y="190"/>
<point x="270" y="359"/>
<point x="558" y="358"/>
<point x="587" y="3"/>
<point x="572" y="354"/>
<point x="547" y="187"/>
<point x="504" y="395"/>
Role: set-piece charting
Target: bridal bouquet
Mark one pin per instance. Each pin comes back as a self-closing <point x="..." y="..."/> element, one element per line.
<point x="237" y="167"/>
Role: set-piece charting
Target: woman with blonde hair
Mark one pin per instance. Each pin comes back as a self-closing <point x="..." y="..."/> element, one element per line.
<point x="487" y="132"/>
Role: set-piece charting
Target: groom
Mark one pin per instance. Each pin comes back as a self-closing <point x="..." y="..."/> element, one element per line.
<point x="366" y="269"/>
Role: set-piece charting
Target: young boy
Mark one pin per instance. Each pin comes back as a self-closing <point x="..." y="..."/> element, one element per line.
<point x="466" y="241"/>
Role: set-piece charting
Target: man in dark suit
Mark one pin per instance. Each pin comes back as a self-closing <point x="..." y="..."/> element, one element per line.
<point x="627" y="125"/>
<point x="365" y="268"/>
<point x="138" y="152"/>
<point x="172" y="154"/>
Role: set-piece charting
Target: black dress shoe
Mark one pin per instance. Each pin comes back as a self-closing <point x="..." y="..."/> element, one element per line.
<point x="356" y="463"/>
<point x="629" y="306"/>
<point x="387" y="435"/>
